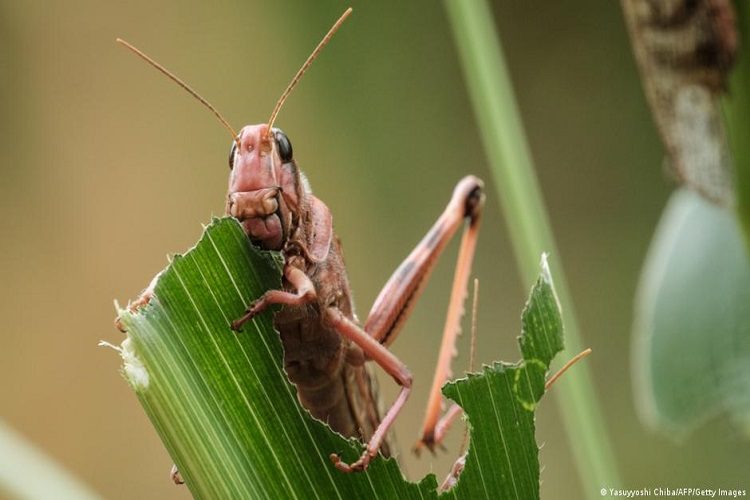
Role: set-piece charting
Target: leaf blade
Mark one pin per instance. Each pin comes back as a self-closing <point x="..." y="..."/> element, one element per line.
<point x="230" y="418"/>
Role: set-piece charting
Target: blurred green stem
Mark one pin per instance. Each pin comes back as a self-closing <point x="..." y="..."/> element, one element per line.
<point x="500" y="126"/>
<point x="26" y="472"/>
<point x="737" y="111"/>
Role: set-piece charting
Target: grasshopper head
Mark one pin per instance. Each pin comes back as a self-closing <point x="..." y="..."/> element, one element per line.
<point x="264" y="185"/>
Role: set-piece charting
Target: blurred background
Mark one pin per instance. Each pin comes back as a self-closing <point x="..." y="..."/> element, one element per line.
<point x="107" y="167"/>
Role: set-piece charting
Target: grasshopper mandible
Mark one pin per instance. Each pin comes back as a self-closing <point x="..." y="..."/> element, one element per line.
<point x="325" y="346"/>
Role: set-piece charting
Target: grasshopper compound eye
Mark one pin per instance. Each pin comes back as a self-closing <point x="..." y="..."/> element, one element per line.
<point x="284" y="145"/>
<point x="232" y="153"/>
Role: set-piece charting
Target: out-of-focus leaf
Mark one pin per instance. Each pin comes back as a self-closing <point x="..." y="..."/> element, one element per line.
<point x="736" y="110"/>
<point x="28" y="472"/>
<point x="685" y="53"/>
<point x="231" y="420"/>
<point x="691" y="350"/>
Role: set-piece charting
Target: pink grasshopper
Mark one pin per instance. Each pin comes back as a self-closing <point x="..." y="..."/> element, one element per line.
<point x="325" y="346"/>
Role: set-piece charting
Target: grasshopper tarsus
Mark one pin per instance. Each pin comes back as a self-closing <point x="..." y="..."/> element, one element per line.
<point x="175" y="475"/>
<point x="358" y="466"/>
<point x="423" y="443"/>
<point x="250" y="313"/>
<point x="338" y="463"/>
<point x="433" y="437"/>
<point x="143" y="300"/>
<point x="119" y="325"/>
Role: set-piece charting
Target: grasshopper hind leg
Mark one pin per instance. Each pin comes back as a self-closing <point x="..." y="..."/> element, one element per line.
<point x="395" y="302"/>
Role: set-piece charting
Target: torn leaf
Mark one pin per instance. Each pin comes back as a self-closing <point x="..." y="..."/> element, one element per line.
<point x="231" y="421"/>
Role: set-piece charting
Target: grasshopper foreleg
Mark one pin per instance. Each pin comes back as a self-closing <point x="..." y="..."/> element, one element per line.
<point x="305" y="293"/>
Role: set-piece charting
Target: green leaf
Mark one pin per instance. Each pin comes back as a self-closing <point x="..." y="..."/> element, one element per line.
<point x="503" y="456"/>
<point x="26" y="471"/>
<point x="230" y="419"/>
<point x="691" y="351"/>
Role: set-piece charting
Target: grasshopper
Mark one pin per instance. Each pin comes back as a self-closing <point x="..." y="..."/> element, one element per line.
<point x="325" y="345"/>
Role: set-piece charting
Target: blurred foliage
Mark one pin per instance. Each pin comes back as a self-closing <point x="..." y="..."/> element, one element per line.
<point x="691" y="343"/>
<point x="737" y="109"/>
<point x="691" y="334"/>
<point x="28" y="472"/>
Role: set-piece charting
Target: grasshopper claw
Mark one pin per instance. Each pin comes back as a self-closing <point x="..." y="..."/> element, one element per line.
<point x="252" y="310"/>
<point x="358" y="466"/>
<point x="428" y="442"/>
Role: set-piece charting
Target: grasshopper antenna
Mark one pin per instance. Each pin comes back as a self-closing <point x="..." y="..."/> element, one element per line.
<point x="474" y="310"/>
<point x="182" y="84"/>
<point x="567" y="365"/>
<point x="304" y="67"/>
<point x="472" y="352"/>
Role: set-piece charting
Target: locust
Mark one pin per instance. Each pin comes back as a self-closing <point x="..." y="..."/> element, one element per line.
<point x="326" y="347"/>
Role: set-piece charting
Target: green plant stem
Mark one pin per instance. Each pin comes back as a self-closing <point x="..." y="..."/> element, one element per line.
<point x="737" y="111"/>
<point x="501" y="130"/>
<point x="27" y="472"/>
